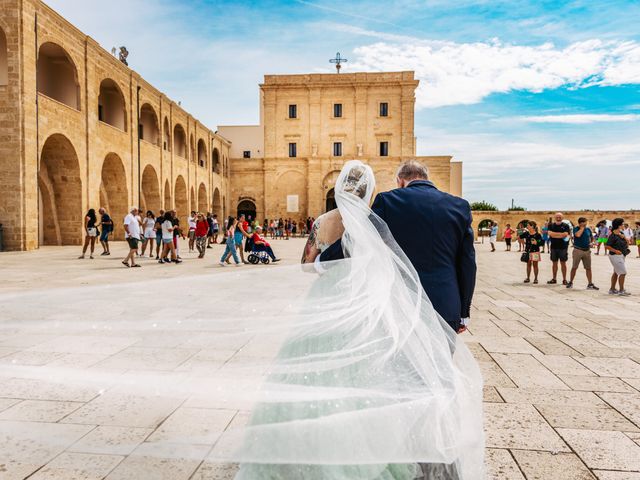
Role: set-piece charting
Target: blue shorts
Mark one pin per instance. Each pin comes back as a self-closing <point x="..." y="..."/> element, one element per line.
<point x="104" y="236"/>
<point x="238" y="238"/>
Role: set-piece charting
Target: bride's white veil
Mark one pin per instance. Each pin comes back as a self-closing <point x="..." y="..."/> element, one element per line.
<point x="346" y="375"/>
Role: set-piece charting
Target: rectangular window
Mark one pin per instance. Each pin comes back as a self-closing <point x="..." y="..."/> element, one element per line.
<point x="293" y="150"/>
<point x="246" y="154"/>
<point x="384" y="149"/>
<point x="337" y="149"/>
<point x="293" y="111"/>
<point x="337" y="110"/>
<point x="384" y="109"/>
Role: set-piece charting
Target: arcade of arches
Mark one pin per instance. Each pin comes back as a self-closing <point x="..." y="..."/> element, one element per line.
<point x="517" y="219"/>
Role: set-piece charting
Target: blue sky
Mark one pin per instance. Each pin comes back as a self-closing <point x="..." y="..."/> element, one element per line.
<point x="539" y="99"/>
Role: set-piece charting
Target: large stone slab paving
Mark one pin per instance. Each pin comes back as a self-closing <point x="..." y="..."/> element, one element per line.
<point x="549" y="466"/>
<point x="604" y="450"/>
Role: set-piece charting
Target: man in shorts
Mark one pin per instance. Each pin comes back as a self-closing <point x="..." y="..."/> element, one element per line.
<point x="582" y="241"/>
<point x="107" y="227"/>
<point x="559" y="233"/>
<point x="132" y="235"/>
<point x="493" y="238"/>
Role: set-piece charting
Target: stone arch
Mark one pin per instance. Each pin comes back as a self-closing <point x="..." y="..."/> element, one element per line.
<point x="4" y="59"/>
<point x="60" y="192"/>
<point x="523" y="223"/>
<point x="328" y="184"/>
<point x="180" y="197"/>
<point x="149" y="130"/>
<point x="291" y="182"/>
<point x="248" y="208"/>
<point x="179" y="141"/>
<point x="193" y="200"/>
<point x="216" y="204"/>
<point x="166" y="144"/>
<point x="111" y="105"/>
<point x="167" y="196"/>
<point x="57" y="76"/>
<point x="483" y="228"/>
<point x="215" y="161"/>
<point x="114" y="195"/>
<point x="202" y="153"/>
<point x="150" y="190"/>
<point x="203" y="204"/>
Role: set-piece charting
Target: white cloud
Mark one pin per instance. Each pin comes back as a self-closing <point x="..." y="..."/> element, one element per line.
<point x="580" y="118"/>
<point x="465" y="73"/>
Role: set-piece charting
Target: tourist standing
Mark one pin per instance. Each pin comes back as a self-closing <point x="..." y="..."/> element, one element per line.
<point x="148" y="227"/>
<point x="216" y="228"/>
<point x="158" y="229"/>
<point x="618" y="249"/>
<point x="177" y="232"/>
<point x="532" y="243"/>
<point x="508" y="234"/>
<point x="636" y="235"/>
<point x="559" y="232"/>
<point x="106" y="225"/>
<point x="493" y="235"/>
<point x="90" y="232"/>
<point x="603" y="235"/>
<point x="168" y="239"/>
<point x="191" y="222"/>
<point x="545" y="238"/>
<point x="628" y="233"/>
<point x="582" y="243"/>
<point x="202" y="228"/>
<point x="132" y="235"/>
<point x="230" y="249"/>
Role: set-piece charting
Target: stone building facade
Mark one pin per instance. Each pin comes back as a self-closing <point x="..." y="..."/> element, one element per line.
<point x="79" y="130"/>
<point x="310" y="125"/>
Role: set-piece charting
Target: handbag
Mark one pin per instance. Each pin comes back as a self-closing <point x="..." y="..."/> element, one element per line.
<point x="524" y="257"/>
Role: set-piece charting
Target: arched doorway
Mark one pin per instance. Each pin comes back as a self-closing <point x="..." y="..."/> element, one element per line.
<point x="330" y="201"/>
<point x="182" y="203"/>
<point x="148" y="128"/>
<point x="113" y="192"/>
<point x="60" y="192"/>
<point x="4" y="59"/>
<point x="484" y="228"/>
<point x="167" y="196"/>
<point x="57" y="75"/>
<point x="180" y="141"/>
<point x="247" y="208"/>
<point x="217" y="205"/>
<point x="150" y="190"/>
<point x="111" y="106"/>
<point x="203" y="206"/>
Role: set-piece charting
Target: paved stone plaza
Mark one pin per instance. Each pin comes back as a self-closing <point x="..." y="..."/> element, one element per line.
<point x="561" y="370"/>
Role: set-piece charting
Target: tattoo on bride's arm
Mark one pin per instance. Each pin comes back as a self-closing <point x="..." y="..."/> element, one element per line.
<point x="310" y="246"/>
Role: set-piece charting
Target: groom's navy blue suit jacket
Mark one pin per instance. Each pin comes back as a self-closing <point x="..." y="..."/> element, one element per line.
<point x="434" y="230"/>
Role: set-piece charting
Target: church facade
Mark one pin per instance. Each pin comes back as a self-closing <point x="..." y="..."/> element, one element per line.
<point x="310" y="125"/>
<point x="79" y="129"/>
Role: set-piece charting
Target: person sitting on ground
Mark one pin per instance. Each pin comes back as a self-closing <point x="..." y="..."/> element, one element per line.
<point x="618" y="249"/>
<point x="532" y="243"/>
<point x="261" y="244"/>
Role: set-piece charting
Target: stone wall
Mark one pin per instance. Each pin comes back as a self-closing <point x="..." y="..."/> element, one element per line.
<point x="58" y="158"/>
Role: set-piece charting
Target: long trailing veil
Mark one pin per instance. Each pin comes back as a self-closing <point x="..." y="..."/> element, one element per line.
<point x="347" y="375"/>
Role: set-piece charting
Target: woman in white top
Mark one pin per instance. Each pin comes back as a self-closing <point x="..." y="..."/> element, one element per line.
<point x="167" y="240"/>
<point x="148" y="225"/>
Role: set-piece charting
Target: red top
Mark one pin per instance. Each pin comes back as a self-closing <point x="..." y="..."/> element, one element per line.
<point x="257" y="238"/>
<point x="202" y="228"/>
<point x="508" y="232"/>
<point x="245" y="226"/>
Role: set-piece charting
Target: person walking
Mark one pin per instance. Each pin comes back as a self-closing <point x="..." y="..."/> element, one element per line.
<point x="636" y="236"/>
<point x="148" y="227"/>
<point x="508" y="234"/>
<point x="90" y="232"/>
<point x="106" y="226"/>
<point x="230" y="249"/>
<point x="532" y="244"/>
<point x="582" y="242"/>
<point x="493" y="235"/>
<point x="158" y="230"/>
<point x="603" y="235"/>
<point x="202" y="229"/>
<point x="191" y="222"/>
<point x="559" y="232"/>
<point x="618" y="249"/>
<point x="168" y="240"/>
<point x="240" y="233"/>
<point x="177" y="232"/>
<point x="132" y="235"/>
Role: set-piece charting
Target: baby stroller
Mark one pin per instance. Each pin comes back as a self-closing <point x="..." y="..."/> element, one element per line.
<point x="256" y="254"/>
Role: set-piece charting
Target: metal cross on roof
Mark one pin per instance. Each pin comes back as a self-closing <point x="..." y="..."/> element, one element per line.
<point x="338" y="60"/>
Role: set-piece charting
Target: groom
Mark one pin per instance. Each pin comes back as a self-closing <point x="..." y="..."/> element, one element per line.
<point x="433" y="229"/>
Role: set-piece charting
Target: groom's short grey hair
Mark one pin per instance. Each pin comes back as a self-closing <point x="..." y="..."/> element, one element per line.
<point x="412" y="170"/>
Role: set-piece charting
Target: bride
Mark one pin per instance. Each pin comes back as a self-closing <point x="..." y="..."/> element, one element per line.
<point x="366" y="387"/>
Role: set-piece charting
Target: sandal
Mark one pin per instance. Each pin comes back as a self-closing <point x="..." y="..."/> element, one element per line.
<point x="552" y="281"/>
<point x="125" y="264"/>
<point x="135" y="265"/>
<point x="535" y="281"/>
<point x="526" y="280"/>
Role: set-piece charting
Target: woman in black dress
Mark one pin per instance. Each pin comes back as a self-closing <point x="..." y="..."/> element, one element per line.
<point x="532" y="243"/>
<point x="90" y="232"/>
